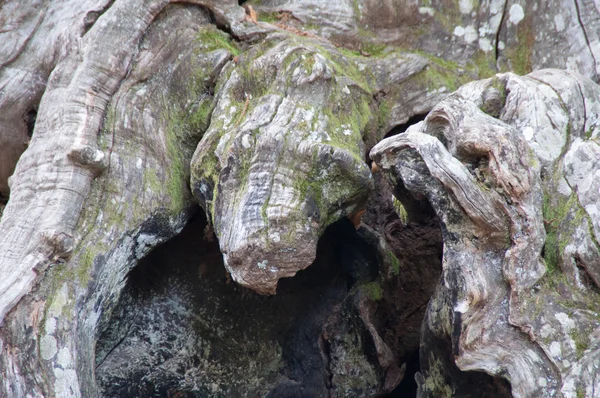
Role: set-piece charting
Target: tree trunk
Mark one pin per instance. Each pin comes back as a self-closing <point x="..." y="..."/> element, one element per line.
<point x="118" y="118"/>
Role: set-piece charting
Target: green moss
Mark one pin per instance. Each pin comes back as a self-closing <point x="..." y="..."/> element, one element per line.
<point x="151" y="179"/>
<point x="482" y="65"/>
<point x="436" y="384"/>
<point x="581" y="342"/>
<point x="373" y="290"/>
<point x="384" y="114"/>
<point x="580" y="393"/>
<point x="555" y="209"/>
<point x="550" y="252"/>
<point x="373" y="49"/>
<point x="86" y="262"/>
<point x="176" y="181"/>
<point x="255" y="82"/>
<point x="442" y="73"/>
<point x="269" y="17"/>
<point x="346" y="66"/>
<point x="520" y="55"/>
<point x="348" y="52"/>
<point x="356" y="9"/>
<point x="450" y="17"/>
<point x="214" y="39"/>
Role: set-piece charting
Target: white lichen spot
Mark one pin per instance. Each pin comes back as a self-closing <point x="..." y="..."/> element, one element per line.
<point x="462" y="306"/>
<point x="138" y="163"/>
<point x="59" y="302"/>
<point x="485" y="45"/>
<point x="98" y="156"/>
<point x="470" y="34"/>
<point x="555" y="350"/>
<point x="501" y="45"/>
<point x="48" y="347"/>
<point x="516" y="14"/>
<point x="465" y="6"/>
<point x="568" y="388"/>
<point x="533" y="355"/>
<point x="459" y="31"/>
<point x="50" y="325"/>
<point x="275" y="237"/>
<point x="273" y="269"/>
<point x="262" y="264"/>
<point x="542" y="382"/>
<point x="346" y="90"/>
<point x="64" y="358"/>
<point x="528" y="133"/>
<point x="246" y="141"/>
<point x="145" y="242"/>
<point x="66" y="383"/>
<point x="565" y="321"/>
<point x="559" y="22"/>
<point x="426" y="11"/>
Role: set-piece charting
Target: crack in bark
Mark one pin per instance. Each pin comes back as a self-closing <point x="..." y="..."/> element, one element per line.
<point x="496" y="49"/>
<point x="587" y="40"/>
<point x="118" y="342"/>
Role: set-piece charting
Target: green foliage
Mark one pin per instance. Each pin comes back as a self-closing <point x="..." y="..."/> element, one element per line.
<point x="394" y="262"/>
<point x="401" y="211"/>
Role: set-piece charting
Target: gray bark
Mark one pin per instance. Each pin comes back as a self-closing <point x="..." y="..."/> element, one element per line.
<point x="517" y="199"/>
<point x="117" y="117"/>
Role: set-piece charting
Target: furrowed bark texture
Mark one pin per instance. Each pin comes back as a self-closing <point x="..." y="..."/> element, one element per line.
<point x="518" y="295"/>
<point x="118" y="118"/>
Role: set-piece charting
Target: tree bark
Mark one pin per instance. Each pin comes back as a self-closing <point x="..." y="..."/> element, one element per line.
<point x="117" y="118"/>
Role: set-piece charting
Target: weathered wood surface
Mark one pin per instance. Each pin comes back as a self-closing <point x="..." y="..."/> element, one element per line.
<point x="517" y="196"/>
<point x="103" y="111"/>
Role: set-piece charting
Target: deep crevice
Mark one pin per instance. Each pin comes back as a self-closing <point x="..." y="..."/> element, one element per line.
<point x="401" y="128"/>
<point x="408" y="385"/>
<point x="188" y="319"/>
<point x="496" y="48"/>
<point x="29" y="118"/>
